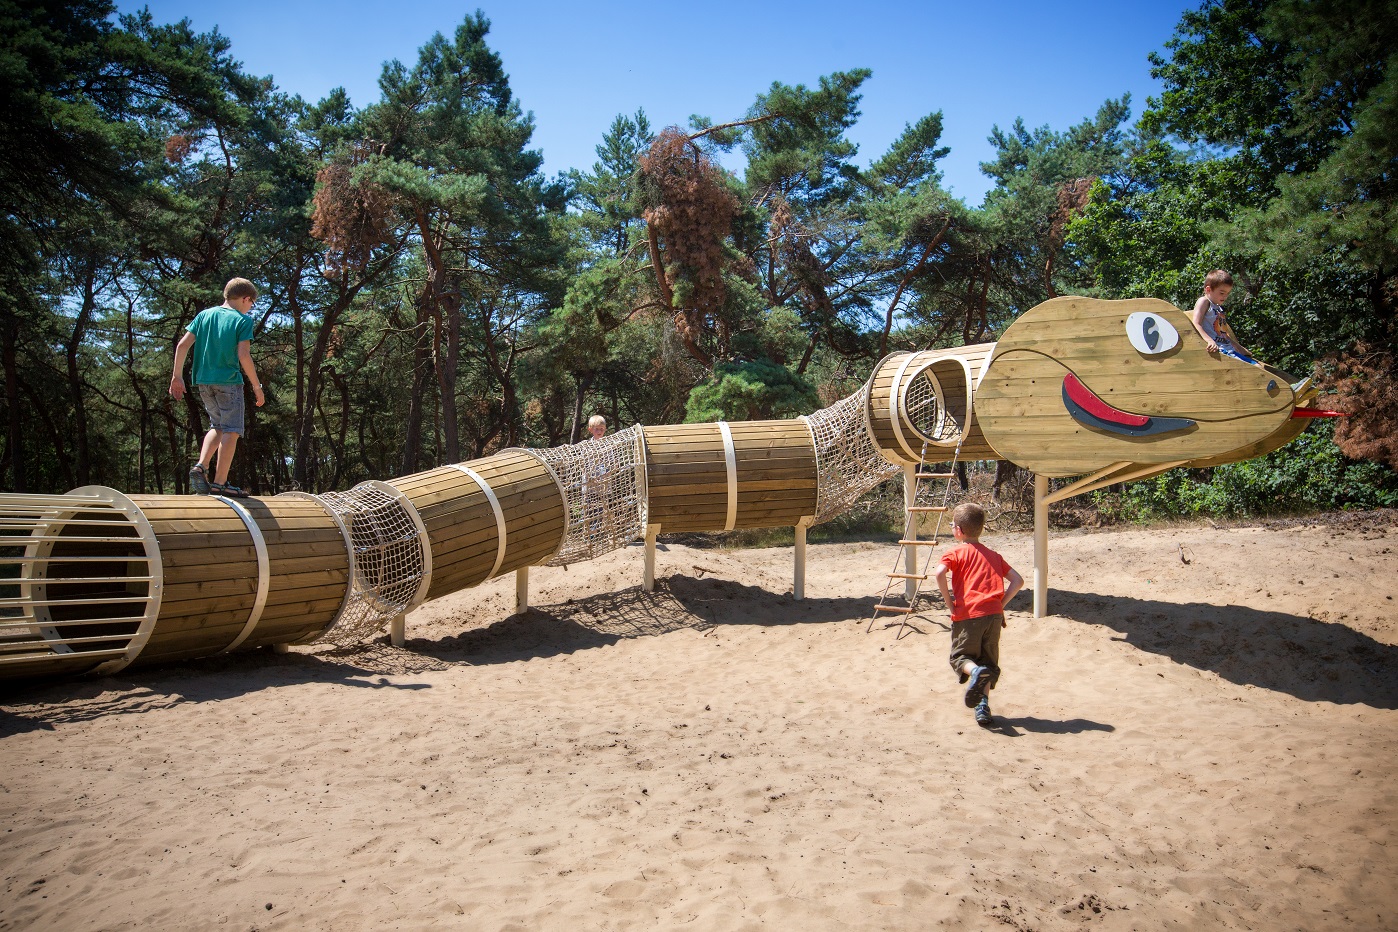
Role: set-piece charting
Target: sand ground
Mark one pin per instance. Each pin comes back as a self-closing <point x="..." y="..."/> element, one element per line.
<point x="1208" y="744"/>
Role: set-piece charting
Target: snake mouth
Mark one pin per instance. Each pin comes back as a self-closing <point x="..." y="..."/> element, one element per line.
<point x="1091" y="411"/>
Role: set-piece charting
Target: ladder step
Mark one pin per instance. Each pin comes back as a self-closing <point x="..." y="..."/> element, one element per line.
<point x="927" y="508"/>
<point x="908" y="576"/>
<point x="936" y="475"/>
<point x="918" y="543"/>
<point x="893" y="608"/>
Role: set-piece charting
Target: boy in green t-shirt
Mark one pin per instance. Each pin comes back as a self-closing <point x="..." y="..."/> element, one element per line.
<point x="221" y="338"/>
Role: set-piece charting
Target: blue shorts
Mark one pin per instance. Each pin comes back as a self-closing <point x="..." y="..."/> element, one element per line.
<point x="1228" y="350"/>
<point x="224" y="404"/>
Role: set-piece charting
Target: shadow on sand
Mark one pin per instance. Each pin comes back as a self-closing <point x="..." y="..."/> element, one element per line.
<point x="1045" y="726"/>
<point x="678" y="603"/>
<point x="1315" y="661"/>
<point x="1312" y="660"/>
<point x="41" y="706"/>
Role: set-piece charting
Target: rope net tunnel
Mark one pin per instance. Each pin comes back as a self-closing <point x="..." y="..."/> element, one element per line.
<point x="603" y="484"/>
<point x="848" y="464"/>
<point x="390" y="559"/>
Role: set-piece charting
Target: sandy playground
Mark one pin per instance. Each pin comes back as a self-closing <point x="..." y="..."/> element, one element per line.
<point x="1208" y="744"/>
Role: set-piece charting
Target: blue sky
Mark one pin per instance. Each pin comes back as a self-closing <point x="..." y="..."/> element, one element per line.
<point x="577" y="65"/>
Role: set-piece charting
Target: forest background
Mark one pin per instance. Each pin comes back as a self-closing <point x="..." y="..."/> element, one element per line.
<point x="429" y="296"/>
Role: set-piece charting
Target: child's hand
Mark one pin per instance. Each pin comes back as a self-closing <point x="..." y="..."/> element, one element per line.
<point x="1211" y="346"/>
<point x="1004" y="622"/>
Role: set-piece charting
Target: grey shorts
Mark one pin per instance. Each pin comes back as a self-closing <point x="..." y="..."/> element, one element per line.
<point x="977" y="640"/>
<point x="224" y="404"/>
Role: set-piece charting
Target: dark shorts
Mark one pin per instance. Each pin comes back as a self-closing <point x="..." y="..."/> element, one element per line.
<point x="977" y="640"/>
<point x="224" y="404"/>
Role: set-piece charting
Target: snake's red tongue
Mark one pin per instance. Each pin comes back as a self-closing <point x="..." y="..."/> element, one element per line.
<point x="1088" y="409"/>
<point x="1086" y="399"/>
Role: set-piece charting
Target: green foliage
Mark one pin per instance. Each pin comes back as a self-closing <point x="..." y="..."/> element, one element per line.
<point x="749" y="391"/>
<point x="1307" y="475"/>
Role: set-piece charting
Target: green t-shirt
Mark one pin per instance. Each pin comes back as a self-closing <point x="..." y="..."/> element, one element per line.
<point x="217" y="333"/>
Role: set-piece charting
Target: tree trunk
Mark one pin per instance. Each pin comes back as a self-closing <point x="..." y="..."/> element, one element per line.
<point x="9" y="336"/>
<point x="902" y="285"/>
<point x="412" y="440"/>
<point x="75" y="378"/>
<point x="583" y="384"/>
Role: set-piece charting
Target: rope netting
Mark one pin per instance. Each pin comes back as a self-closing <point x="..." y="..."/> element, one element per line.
<point x="603" y="480"/>
<point x="389" y="560"/>
<point x="847" y="463"/>
<point x="924" y="410"/>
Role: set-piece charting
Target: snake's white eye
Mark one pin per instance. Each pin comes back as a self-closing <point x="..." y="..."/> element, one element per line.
<point x="1151" y="334"/>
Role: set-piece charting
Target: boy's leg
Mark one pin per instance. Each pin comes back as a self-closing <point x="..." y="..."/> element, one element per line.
<point x="227" y="444"/>
<point x="209" y="447"/>
<point x="968" y="658"/>
<point x="990" y="648"/>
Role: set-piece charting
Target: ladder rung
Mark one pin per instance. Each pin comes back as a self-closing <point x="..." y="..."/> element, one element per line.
<point x="936" y="475"/>
<point x="893" y="608"/>
<point x="917" y="543"/>
<point x="926" y="508"/>
<point x="908" y="576"/>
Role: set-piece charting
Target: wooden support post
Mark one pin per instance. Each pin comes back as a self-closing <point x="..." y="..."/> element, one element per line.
<point x="521" y="590"/>
<point x="1041" y="484"/>
<point x="909" y="553"/>
<point x="648" y="582"/>
<point x="398" y="630"/>
<point x="798" y="586"/>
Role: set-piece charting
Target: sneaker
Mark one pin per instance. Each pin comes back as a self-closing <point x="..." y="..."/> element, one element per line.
<point x="983" y="716"/>
<point x="228" y="489"/>
<point x="198" y="479"/>
<point x="975" y="690"/>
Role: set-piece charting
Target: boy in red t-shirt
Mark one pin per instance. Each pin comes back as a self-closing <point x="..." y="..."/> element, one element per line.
<point x="977" y="600"/>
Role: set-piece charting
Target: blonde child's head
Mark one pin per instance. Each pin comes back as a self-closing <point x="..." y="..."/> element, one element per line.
<point x="239" y="288"/>
<point x="597" y="425"/>
<point x="969" y="519"/>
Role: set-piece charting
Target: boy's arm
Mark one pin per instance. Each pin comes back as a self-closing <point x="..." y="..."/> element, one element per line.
<point x="1201" y="307"/>
<point x="1016" y="584"/>
<point x="245" y="359"/>
<point x="941" y="575"/>
<point x="181" y="351"/>
<point x="1233" y="338"/>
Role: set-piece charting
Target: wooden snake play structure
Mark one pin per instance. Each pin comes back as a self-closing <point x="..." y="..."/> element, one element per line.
<point x="1110" y="391"/>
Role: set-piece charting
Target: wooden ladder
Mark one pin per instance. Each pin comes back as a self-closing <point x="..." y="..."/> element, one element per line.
<point x="908" y="540"/>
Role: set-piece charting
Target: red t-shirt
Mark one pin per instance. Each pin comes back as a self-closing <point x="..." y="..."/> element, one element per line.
<point x="977" y="580"/>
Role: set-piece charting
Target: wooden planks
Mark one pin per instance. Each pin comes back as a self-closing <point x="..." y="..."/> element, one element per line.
<point x="210" y="570"/>
<point x="776" y="473"/>
<point x="687" y="472"/>
<point x="461" y="522"/>
<point x="308" y="569"/>
<point x="957" y="371"/>
<point x="211" y="573"/>
<point x="686" y="477"/>
<point x="1234" y="407"/>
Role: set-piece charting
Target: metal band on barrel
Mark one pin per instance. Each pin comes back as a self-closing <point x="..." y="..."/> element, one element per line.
<point x="499" y="515"/>
<point x="730" y="463"/>
<point x="259" y="544"/>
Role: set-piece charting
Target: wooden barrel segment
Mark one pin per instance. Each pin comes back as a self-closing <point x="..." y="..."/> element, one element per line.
<point x="464" y="507"/>
<point x="715" y="477"/>
<point x="926" y="397"/>
<point x="211" y="568"/>
<point x="80" y="582"/>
